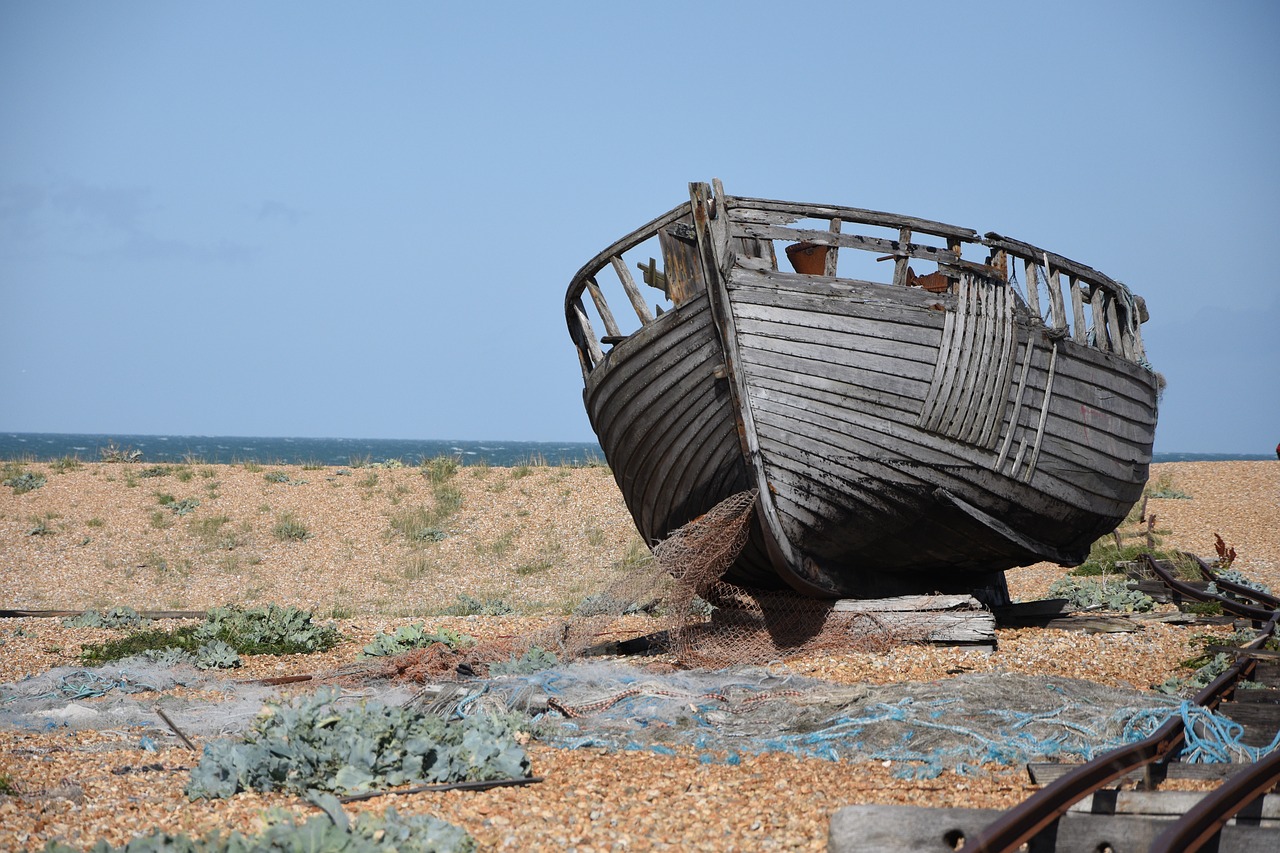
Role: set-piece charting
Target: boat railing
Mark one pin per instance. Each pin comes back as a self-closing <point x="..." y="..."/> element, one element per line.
<point x="1050" y="282"/>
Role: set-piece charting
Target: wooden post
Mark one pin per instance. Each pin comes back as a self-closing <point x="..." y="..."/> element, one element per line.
<point x="900" y="263"/>
<point x="1059" y="318"/>
<point x="588" y="334"/>
<point x="633" y="292"/>
<point x="1033" y="288"/>
<point x="602" y="307"/>
<point x="1097" y="306"/>
<point x="1077" y="311"/>
<point x="830" y="269"/>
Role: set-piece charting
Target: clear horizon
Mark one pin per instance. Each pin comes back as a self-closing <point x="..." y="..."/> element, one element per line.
<point x="313" y="219"/>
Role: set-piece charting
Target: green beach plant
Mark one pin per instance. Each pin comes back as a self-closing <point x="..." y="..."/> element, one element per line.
<point x="409" y="637"/>
<point x="25" y="482"/>
<point x="289" y="528"/>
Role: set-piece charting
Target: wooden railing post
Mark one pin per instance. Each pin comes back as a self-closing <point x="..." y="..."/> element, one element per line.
<point x="602" y="308"/>
<point x="1078" y="333"/>
<point x="1033" y="288"/>
<point x="1059" y="318"/>
<point x="830" y="269"/>
<point x="633" y="292"/>
<point x="900" y="263"/>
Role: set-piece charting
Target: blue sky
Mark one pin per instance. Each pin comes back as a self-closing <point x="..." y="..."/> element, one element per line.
<point x="320" y="219"/>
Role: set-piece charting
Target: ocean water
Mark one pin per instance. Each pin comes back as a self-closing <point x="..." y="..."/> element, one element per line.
<point x="47" y="447"/>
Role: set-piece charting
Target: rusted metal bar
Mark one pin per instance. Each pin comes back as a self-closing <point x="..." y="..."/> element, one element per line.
<point x="1235" y="588"/>
<point x="1236" y="608"/>
<point x="186" y="741"/>
<point x="1027" y="819"/>
<point x="447" y="786"/>
<point x="1205" y="819"/>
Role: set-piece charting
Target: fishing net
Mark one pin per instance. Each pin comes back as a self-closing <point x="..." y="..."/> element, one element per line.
<point x="699" y="619"/>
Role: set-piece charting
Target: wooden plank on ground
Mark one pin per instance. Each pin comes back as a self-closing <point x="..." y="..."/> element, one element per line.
<point x="944" y="619"/>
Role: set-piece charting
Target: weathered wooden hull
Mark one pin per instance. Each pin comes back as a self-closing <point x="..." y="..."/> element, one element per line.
<point x="903" y="440"/>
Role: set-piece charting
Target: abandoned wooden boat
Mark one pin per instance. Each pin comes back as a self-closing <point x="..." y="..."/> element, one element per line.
<point x="908" y="431"/>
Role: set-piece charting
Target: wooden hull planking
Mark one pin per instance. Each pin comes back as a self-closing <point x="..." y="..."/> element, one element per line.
<point x="904" y="440"/>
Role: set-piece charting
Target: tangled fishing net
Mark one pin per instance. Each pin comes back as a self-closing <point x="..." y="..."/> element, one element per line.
<point x="700" y="619"/>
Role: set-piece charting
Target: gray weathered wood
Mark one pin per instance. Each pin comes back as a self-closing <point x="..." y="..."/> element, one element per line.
<point x="602" y="308"/>
<point x="831" y="265"/>
<point x="633" y="293"/>
<point x="913" y="829"/>
<point x="1078" y="332"/>
<point x="1059" y="318"/>
<point x="584" y="323"/>
<point x="852" y="405"/>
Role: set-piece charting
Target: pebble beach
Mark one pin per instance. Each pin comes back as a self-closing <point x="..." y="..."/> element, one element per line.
<point x="375" y="548"/>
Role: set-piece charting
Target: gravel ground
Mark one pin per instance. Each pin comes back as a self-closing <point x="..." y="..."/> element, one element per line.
<point x="540" y="538"/>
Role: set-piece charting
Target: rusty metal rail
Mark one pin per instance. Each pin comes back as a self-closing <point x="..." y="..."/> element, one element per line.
<point x="1026" y="820"/>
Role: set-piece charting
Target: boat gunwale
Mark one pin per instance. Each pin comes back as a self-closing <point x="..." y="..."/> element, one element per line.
<point x="1051" y="262"/>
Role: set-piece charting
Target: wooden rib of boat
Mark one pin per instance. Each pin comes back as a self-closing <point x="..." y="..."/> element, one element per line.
<point x="908" y="431"/>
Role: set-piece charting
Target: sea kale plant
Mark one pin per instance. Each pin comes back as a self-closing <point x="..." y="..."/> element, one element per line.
<point x="313" y="745"/>
<point x="415" y="636"/>
<point x="332" y="831"/>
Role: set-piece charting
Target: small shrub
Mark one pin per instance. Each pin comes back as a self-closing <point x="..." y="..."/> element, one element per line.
<point x="448" y="500"/>
<point x="66" y="464"/>
<point x="284" y="833"/>
<point x="417" y="524"/>
<point x="115" y="617"/>
<point x="161" y="520"/>
<point x="270" y="630"/>
<point x="469" y="606"/>
<point x="1085" y="593"/>
<point x="440" y="468"/>
<point x="314" y="746"/>
<point x="25" y="482"/>
<point x="1163" y="488"/>
<point x="415" y="637"/>
<point x="216" y="534"/>
<point x="276" y="477"/>
<point x="289" y="528"/>
<point x="417" y="566"/>
<point x="154" y="471"/>
<point x="95" y="522"/>
<point x="184" y="506"/>
<point x="40" y="527"/>
<point x="536" y="567"/>
<point x="119" y="453"/>
<point x="536" y="659"/>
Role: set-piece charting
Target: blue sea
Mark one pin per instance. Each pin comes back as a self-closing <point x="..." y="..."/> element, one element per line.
<point x="47" y="447"/>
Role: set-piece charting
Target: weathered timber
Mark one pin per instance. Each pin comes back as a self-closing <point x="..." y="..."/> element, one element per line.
<point x="1042" y="773"/>
<point x="911" y="829"/>
<point x="941" y="619"/>
<point x="900" y="439"/>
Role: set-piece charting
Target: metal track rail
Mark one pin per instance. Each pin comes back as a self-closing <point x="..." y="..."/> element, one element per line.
<point x="1026" y="820"/>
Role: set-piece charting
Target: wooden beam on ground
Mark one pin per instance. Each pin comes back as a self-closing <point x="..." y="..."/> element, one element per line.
<point x="943" y="619"/>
